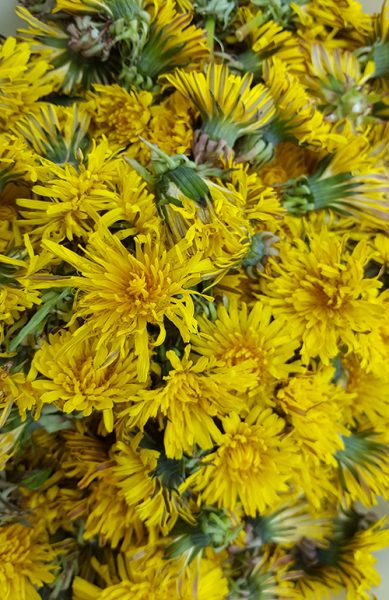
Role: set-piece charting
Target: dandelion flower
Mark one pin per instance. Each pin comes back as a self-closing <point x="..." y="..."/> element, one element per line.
<point x="27" y="562"/>
<point x="24" y="81"/>
<point x="80" y="378"/>
<point x="152" y="576"/>
<point x="228" y="106"/>
<point x="251" y="465"/>
<point x="363" y="468"/>
<point x="193" y="395"/>
<point x="120" y="115"/>
<point x="70" y="198"/>
<point x="312" y="405"/>
<point x="321" y="292"/>
<point x="239" y="334"/>
<point x="123" y="292"/>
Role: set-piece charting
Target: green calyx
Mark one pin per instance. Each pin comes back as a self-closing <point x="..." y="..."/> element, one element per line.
<point x="213" y="528"/>
<point x="361" y="448"/>
<point x="254" y="148"/>
<point x="308" y="193"/>
<point x="380" y="55"/>
<point x="169" y="173"/>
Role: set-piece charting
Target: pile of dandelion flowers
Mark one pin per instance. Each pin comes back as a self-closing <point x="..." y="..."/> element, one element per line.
<point x="122" y="292"/>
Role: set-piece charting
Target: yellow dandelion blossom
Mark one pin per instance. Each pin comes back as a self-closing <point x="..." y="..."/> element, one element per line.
<point x="351" y="181"/>
<point x="369" y="393"/>
<point x="16" y="391"/>
<point x="57" y="133"/>
<point x="228" y="105"/>
<point x="107" y="514"/>
<point x="193" y="395"/>
<point x="27" y="562"/>
<point x="251" y="466"/>
<point x="81" y="378"/>
<point x="291" y="522"/>
<point x="327" y="17"/>
<point x="171" y="124"/>
<point x="134" y="209"/>
<point x="345" y="564"/>
<point x="339" y="85"/>
<point x="239" y="335"/>
<point x="296" y="115"/>
<point x="139" y="476"/>
<point x="220" y="227"/>
<point x="79" y="54"/>
<point x="23" y="80"/>
<point x="266" y="39"/>
<point x="321" y="292"/>
<point x="172" y="42"/>
<point x="123" y="292"/>
<point x="363" y="468"/>
<point x="152" y="576"/>
<point x="68" y="199"/>
<point x="120" y="115"/>
<point x="261" y="202"/>
<point x="313" y="406"/>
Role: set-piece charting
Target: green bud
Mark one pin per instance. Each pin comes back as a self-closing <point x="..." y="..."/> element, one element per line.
<point x="253" y="148"/>
<point x="189" y="183"/>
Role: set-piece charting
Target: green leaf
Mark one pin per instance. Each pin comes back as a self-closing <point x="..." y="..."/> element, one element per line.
<point x="50" y="299"/>
<point x="36" y="479"/>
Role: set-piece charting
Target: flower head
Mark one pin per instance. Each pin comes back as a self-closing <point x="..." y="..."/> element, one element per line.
<point x="59" y="134"/>
<point x="23" y="80"/>
<point x="124" y="292"/>
<point x="80" y="378"/>
<point x="172" y="41"/>
<point x="313" y="406"/>
<point x="152" y="577"/>
<point x="70" y="198"/>
<point x="228" y="105"/>
<point x="239" y="335"/>
<point x="321" y="291"/>
<point x="194" y="394"/>
<point x="296" y="115"/>
<point x="27" y="562"/>
<point x="251" y="465"/>
<point x="120" y="115"/>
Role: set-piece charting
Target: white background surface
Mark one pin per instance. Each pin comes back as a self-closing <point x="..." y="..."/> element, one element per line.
<point x="8" y="24"/>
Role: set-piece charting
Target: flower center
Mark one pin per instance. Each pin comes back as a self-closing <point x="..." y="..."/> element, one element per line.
<point x="243" y="457"/>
